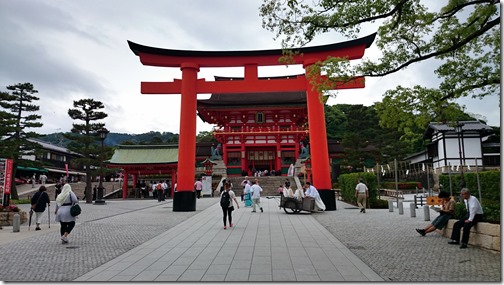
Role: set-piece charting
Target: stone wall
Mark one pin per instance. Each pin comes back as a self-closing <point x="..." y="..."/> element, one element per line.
<point x="6" y="218"/>
<point x="484" y="235"/>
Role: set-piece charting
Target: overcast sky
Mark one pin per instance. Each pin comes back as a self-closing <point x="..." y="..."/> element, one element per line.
<point x="72" y="50"/>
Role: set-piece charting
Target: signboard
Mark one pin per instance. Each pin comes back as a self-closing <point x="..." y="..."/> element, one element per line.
<point x="5" y="177"/>
<point x="207" y="185"/>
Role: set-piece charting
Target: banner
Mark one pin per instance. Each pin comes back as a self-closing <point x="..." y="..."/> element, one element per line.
<point x="66" y="169"/>
<point x="6" y="175"/>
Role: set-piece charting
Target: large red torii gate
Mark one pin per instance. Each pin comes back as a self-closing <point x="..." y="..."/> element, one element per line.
<point x="190" y="63"/>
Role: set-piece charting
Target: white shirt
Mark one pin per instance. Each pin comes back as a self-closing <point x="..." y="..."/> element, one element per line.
<point x="256" y="191"/>
<point x="287" y="192"/>
<point x="361" y="187"/>
<point x="474" y="207"/>
<point x="312" y="192"/>
<point x="299" y="194"/>
<point x="247" y="188"/>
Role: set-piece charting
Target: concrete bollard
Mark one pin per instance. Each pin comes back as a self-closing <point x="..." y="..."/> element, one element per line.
<point x="16" y="222"/>
<point x="412" y="209"/>
<point x="390" y="206"/>
<point x="400" y="207"/>
<point x="426" y="213"/>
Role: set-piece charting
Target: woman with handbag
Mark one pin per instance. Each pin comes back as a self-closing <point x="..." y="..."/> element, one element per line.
<point x="64" y="203"/>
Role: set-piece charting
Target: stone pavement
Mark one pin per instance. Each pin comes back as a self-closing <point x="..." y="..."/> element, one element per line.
<point x="144" y="240"/>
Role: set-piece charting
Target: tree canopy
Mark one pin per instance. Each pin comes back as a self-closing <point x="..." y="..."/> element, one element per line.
<point x="84" y="137"/>
<point x="18" y="117"/>
<point x="460" y="38"/>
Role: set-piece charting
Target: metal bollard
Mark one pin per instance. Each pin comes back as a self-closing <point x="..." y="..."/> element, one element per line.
<point x="16" y="222"/>
<point x="390" y="206"/>
<point x="400" y="207"/>
<point x="412" y="209"/>
<point x="426" y="213"/>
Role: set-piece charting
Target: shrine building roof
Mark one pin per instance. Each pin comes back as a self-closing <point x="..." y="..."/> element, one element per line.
<point x="144" y="154"/>
<point x="254" y="99"/>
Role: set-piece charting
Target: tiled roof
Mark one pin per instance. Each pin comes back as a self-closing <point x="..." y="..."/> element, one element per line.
<point x="468" y="126"/>
<point x="145" y="154"/>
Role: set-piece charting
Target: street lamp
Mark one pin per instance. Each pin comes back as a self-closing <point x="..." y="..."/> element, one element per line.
<point x="103" y="132"/>
<point x="459" y="129"/>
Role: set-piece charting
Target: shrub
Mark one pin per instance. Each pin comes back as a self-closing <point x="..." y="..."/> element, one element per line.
<point x="10" y="208"/>
<point x="401" y="185"/>
<point x="379" y="204"/>
<point x="490" y="191"/>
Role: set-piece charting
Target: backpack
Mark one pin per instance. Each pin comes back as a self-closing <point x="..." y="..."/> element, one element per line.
<point x="225" y="199"/>
<point x="159" y="187"/>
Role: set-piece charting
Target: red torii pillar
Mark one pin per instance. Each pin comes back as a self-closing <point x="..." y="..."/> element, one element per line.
<point x="191" y="61"/>
<point x="319" y="152"/>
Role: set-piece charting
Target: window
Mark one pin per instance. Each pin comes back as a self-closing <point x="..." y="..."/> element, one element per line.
<point x="259" y="118"/>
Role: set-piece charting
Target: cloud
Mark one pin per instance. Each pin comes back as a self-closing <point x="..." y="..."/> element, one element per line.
<point x="72" y="50"/>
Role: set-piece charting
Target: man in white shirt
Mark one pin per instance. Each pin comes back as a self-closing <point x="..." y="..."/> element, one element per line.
<point x="473" y="216"/>
<point x="256" y="195"/>
<point x="361" y="193"/>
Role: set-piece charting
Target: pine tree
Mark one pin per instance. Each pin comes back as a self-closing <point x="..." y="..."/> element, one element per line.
<point x="16" y="124"/>
<point x="85" y="137"/>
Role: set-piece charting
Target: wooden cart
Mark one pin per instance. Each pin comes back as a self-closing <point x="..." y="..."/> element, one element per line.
<point x="294" y="206"/>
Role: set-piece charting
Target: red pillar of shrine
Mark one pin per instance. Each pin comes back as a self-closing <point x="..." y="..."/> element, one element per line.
<point x="125" y="185"/>
<point x="185" y="197"/>
<point x="318" y="144"/>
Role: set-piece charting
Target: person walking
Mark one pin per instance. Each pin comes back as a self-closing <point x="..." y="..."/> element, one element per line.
<point x="245" y="182"/>
<point x="38" y="204"/>
<point x="248" y="194"/>
<point x="446" y="213"/>
<point x="164" y="185"/>
<point x="256" y="195"/>
<point x="43" y="179"/>
<point x="473" y="216"/>
<point x="227" y="198"/>
<point x="198" y="186"/>
<point x="160" y="191"/>
<point x="361" y="193"/>
<point x="57" y="189"/>
<point x="64" y="202"/>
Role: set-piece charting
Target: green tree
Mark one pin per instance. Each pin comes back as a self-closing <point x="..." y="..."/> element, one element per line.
<point x="85" y="137"/>
<point x="17" y="120"/>
<point x="462" y="38"/>
<point x="205" y="137"/>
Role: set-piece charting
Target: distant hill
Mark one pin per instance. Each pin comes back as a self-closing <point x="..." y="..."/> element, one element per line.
<point x="114" y="139"/>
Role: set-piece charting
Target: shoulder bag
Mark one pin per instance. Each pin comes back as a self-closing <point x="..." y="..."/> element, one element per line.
<point x="75" y="209"/>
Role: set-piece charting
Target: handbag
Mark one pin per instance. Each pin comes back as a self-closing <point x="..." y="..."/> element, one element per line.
<point x="75" y="209"/>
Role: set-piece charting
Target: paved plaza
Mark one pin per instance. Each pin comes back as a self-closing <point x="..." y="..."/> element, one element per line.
<point x="144" y="240"/>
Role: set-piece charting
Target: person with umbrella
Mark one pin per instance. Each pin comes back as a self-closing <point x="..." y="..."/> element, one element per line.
<point x="38" y="205"/>
<point x="64" y="202"/>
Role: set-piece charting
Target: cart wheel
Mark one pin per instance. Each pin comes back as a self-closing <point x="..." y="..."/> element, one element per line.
<point x="290" y="207"/>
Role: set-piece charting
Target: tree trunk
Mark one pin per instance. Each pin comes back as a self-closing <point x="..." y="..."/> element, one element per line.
<point x="89" y="188"/>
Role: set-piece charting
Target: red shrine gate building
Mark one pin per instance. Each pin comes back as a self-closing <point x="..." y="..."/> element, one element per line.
<point x="257" y="132"/>
<point x="251" y="138"/>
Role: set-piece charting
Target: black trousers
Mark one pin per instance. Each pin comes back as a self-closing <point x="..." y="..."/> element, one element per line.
<point x="226" y="212"/>
<point x="461" y="224"/>
<point x="66" y="227"/>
